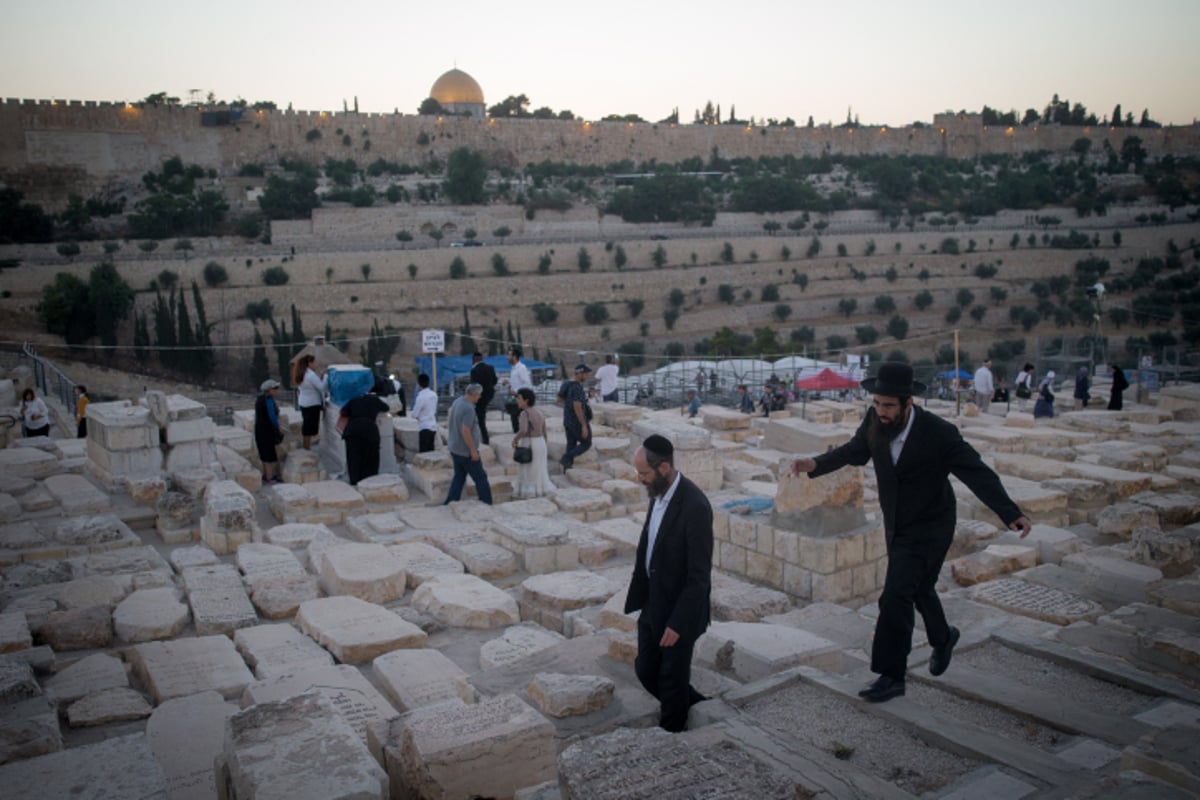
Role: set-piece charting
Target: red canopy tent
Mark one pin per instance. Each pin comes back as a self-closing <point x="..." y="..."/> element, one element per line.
<point x="826" y="381"/>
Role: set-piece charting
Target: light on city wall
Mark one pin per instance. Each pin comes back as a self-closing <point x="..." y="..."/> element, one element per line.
<point x="942" y="131"/>
<point x="1008" y="131"/>
<point x="883" y="129"/>
<point x="492" y="121"/>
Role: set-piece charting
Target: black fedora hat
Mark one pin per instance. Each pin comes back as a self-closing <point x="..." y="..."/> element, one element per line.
<point x="895" y="379"/>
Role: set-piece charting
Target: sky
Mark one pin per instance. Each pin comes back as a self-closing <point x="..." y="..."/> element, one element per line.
<point x="885" y="62"/>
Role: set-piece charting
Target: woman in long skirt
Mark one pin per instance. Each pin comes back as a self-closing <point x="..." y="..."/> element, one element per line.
<point x="533" y="479"/>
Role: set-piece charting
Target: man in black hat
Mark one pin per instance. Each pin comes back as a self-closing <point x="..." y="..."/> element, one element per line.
<point x="914" y="452"/>
<point x="577" y="416"/>
<point x="672" y="580"/>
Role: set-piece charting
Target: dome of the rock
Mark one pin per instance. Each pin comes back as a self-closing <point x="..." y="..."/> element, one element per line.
<point x="456" y="88"/>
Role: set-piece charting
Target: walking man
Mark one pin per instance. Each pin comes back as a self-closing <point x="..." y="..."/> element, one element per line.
<point x="577" y="416"/>
<point x="607" y="375"/>
<point x="672" y="580"/>
<point x="425" y="413"/>
<point x="518" y="379"/>
<point x="985" y="386"/>
<point x="914" y="452"/>
<point x="464" y="447"/>
<point x="483" y="374"/>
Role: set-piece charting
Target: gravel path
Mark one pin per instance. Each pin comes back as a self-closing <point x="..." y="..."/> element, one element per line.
<point x="822" y="720"/>
<point x="1047" y="676"/>
<point x="995" y="720"/>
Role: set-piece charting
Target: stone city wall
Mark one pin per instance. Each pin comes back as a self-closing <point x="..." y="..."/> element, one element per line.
<point x="49" y="146"/>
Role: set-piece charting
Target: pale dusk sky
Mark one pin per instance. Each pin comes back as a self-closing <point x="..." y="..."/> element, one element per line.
<point x="889" y="62"/>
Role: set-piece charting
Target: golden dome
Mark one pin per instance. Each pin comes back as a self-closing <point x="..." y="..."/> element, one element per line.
<point x="456" y="86"/>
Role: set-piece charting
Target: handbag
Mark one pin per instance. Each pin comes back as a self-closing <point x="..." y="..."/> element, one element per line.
<point x="523" y="454"/>
<point x="510" y="406"/>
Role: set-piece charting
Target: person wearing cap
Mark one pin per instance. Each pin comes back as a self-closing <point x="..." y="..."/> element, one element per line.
<point x="268" y="431"/>
<point x="577" y="416"/>
<point x="914" y="452"/>
<point x="672" y="581"/>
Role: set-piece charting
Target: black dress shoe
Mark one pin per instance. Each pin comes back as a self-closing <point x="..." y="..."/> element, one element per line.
<point x="941" y="655"/>
<point x="884" y="688"/>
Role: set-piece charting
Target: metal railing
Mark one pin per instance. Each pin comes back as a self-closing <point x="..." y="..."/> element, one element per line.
<point x="49" y="379"/>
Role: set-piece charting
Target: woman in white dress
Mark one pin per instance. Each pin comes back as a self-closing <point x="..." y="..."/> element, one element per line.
<point x="533" y="479"/>
<point x="311" y="389"/>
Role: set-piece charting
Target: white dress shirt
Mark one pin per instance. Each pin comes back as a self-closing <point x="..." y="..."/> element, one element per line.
<point x="424" y="410"/>
<point x="656" y="516"/>
<point x="898" y="442"/>
<point x="518" y="378"/>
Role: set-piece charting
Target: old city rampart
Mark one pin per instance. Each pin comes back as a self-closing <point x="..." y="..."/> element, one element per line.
<point x="50" y="147"/>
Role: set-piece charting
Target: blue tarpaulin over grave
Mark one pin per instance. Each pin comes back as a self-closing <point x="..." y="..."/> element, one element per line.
<point x="450" y="368"/>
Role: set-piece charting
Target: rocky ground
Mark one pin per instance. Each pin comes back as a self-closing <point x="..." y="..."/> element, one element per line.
<point x="189" y="633"/>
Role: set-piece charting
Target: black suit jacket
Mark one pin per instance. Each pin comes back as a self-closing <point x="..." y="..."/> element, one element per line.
<point x="483" y="374"/>
<point x="676" y="592"/>
<point x="915" y="494"/>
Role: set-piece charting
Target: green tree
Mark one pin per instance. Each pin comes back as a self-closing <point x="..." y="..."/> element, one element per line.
<point x="65" y="309"/>
<point x="782" y="311"/>
<point x="866" y="334"/>
<point x="725" y="293"/>
<point x="403" y="237"/>
<point x="670" y="316"/>
<point x="544" y="313"/>
<point x="727" y="253"/>
<point x="766" y="341"/>
<point x="770" y="293"/>
<point x="290" y="197"/>
<point x="260" y="368"/>
<point x="595" y="313"/>
<point x="436" y="235"/>
<point x="897" y="327"/>
<point x="964" y="297"/>
<point x="659" y="257"/>
<point x="847" y="306"/>
<point x="184" y="246"/>
<point x="583" y="259"/>
<point x="814" y="248"/>
<point x="466" y="171"/>
<point x="676" y="298"/>
<point x="923" y="300"/>
<point x="884" y="304"/>
<point x="771" y="227"/>
<point x="635" y="307"/>
<point x="167" y="279"/>
<point x="366" y="272"/>
<point x="543" y="265"/>
<point x="214" y="275"/>
<point x="619" y="257"/>
<point x="412" y="272"/>
<point x="275" y="276"/>
<point x="502" y="232"/>
<point x="68" y="250"/>
<point x="458" y="269"/>
<point x="499" y="265"/>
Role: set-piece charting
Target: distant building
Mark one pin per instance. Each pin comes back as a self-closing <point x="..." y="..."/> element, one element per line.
<point x="458" y="93"/>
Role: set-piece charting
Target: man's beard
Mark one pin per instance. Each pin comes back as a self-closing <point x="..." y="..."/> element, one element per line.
<point x="659" y="486"/>
<point x="880" y="433"/>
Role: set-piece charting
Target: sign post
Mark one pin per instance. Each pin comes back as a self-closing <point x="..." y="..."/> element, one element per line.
<point x="432" y="343"/>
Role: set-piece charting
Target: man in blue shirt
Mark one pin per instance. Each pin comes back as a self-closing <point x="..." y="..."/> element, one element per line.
<point x="577" y="416"/>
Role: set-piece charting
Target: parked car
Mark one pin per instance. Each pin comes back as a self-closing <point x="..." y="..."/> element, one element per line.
<point x="467" y="243"/>
<point x="658" y="237"/>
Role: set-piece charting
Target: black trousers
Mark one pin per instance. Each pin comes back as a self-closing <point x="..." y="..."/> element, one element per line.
<point x="666" y="673"/>
<point x="481" y="409"/>
<point x="912" y="575"/>
<point x="362" y="450"/>
<point x="426" y="441"/>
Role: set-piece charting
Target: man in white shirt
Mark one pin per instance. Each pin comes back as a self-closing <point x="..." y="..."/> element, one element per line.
<point x="607" y="375"/>
<point x="518" y="379"/>
<point x="985" y="386"/>
<point x="424" y="411"/>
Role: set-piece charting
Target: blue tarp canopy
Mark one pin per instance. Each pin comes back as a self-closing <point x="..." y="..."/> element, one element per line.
<point x="962" y="374"/>
<point x="450" y="368"/>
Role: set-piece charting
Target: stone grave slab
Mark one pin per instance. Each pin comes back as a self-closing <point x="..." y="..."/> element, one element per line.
<point x="516" y="643"/>
<point x="1120" y="519"/>
<point x="14" y="633"/>
<point x="542" y="544"/>
<point x="737" y="601"/>
<point x="280" y="598"/>
<point x="1118" y="574"/>
<point x="651" y="763"/>
<point x="175" y="511"/>
<point x="612" y="613"/>
<point x="465" y="601"/>
<point x="381" y="489"/>
<point x="535" y="506"/>
<point x="367" y="571"/>
<point x="299" y="747"/>
<point x="113" y="769"/>
<point x="385" y="528"/>
<point x="290" y="502"/>
<point x="508" y="744"/>
<point x="345" y="689"/>
<point x="416" y="678"/>
<point x="91" y="674"/>
<point x="260" y="562"/>
<point x="141" y="562"/>
<point x="29" y="727"/>
<point x="593" y="548"/>
<point x="623" y="532"/>
<point x="185" y="735"/>
<point x="229" y="517"/>
<point x="276" y="650"/>
<point x="218" y="599"/>
<point x="95" y="533"/>
<point x="354" y="630"/>
<point x="76" y="494"/>
<point x="150" y="614"/>
<point x="27" y="462"/>
<point x="194" y="556"/>
<point x="193" y="482"/>
<point x="1174" y="553"/>
<point x="1038" y="602"/>
<point x="587" y="478"/>
<point x="479" y="556"/>
<point x="583" y="503"/>
<point x="76" y="629"/>
<point x="427" y="517"/>
<point x="297" y="535"/>
<point x="561" y="695"/>
<point x="187" y="666"/>
<point x="336" y="497"/>
<point x="421" y="562"/>
<point x="752" y="650"/>
<point x="545" y="598"/>
<point x="109" y="705"/>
